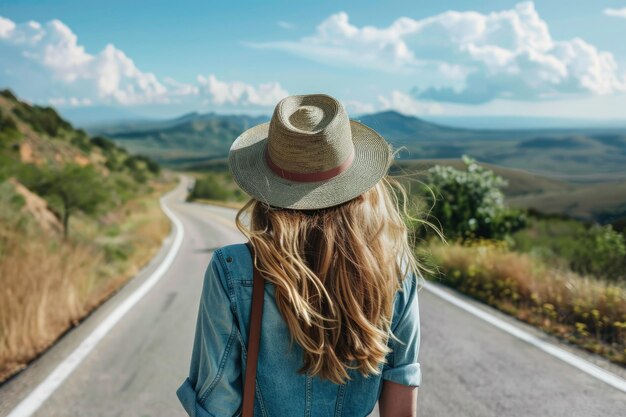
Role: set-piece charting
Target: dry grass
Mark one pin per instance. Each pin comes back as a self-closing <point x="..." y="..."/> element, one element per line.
<point x="50" y="285"/>
<point x="583" y="310"/>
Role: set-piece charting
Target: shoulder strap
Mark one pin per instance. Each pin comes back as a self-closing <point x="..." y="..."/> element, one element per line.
<point x="254" y="335"/>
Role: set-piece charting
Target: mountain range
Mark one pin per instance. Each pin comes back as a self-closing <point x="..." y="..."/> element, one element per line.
<point x="194" y="139"/>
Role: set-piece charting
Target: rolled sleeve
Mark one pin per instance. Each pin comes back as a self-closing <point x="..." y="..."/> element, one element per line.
<point x="213" y="387"/>
<point x="188" y="398"/>
<point x="403" y="364"/>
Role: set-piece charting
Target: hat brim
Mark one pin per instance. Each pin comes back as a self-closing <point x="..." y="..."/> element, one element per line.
<point x="373" y="156"/>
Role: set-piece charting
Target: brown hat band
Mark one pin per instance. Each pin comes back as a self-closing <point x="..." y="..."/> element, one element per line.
<point x="309" y="176"/>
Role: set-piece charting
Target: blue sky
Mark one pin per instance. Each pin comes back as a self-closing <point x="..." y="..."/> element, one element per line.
<point x="457" y="58"/>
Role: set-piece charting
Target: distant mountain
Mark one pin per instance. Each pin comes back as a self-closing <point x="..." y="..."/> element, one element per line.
<point x="402" y="128"/>
<point x="193" y="140"/>
<point x="183" y="141"/>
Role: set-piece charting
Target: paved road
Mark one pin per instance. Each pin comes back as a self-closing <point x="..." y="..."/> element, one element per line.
<point x="470" y="368"/>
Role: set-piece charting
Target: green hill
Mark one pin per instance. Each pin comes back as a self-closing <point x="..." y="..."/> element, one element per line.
<point x="79" y="216"/>
<point x="520" y="182"/>
<point x="33" y="137"/>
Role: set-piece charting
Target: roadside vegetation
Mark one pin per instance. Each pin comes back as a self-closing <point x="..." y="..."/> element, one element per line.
<point x="565" y="276"/>
<point x="217" y="187"/>
<point x="79" y="216"/>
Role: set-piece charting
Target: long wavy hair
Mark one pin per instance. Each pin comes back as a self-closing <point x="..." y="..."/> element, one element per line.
<point x="336" y="271"/>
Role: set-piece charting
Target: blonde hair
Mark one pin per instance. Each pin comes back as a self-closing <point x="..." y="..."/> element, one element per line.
<point x="336" y="271"/>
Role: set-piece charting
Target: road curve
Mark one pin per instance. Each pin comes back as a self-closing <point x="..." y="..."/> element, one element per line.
<point x="470" y="368"/>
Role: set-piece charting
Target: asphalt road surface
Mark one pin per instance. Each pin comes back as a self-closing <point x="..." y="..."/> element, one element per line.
<point x="470" y="368"/>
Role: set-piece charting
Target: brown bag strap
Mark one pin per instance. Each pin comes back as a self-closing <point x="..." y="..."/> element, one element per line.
<point x="254" y="336"/>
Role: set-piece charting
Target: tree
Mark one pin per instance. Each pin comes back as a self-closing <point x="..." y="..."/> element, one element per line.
<point x="471" y="204"/>
<point x="72" y="187"/>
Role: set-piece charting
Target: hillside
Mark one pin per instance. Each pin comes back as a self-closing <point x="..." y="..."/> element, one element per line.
<point x="588" y="155"/>
<point x="520" y="182"/>
<point x="34" y="137"/>
<point x="603" y="202"/>
<point x="79" y="216"/>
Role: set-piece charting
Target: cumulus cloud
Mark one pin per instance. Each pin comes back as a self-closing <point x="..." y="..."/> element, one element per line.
<point x="476" y="57"/>
<point x="239" y="93"/>
<point x="356" y="107"/>
<point x="406" y="104"/>
<point x="71" y="101"/>
<point x="616" y="12"/>
<point x="45" y="62"/>
<point x="177" y="88"/>
<point x="49" y="58"/>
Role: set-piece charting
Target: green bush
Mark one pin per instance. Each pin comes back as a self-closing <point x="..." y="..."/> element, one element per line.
<point x="7" y="124"/>
<point x="81" y="140"/>
<point x="152" y="165"/>
<point x="8" y="130"/>
<point x="106" y="145"/>
<point x="6" y="93"/>
<point x="210" y="188"/>
<point x="117" y="252"/>
<point x="602" y="252"/>
<point x="587" y="249"/>
<point x="470" y="203"/>
<point x="216" y="186"/>
<point x="41" y="119"/>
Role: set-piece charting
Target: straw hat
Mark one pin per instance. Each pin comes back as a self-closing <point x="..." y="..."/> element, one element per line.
<point x="309" y="156"/>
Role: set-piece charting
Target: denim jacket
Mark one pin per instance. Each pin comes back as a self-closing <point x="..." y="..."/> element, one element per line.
<point x="215" y="382"/>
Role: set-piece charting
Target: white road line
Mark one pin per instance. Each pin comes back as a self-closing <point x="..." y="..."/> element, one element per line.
<point x="29" y="405"/>
<point x="559" y="353"/>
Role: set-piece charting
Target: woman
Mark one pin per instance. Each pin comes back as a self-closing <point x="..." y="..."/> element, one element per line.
<point x="340" y="278"/>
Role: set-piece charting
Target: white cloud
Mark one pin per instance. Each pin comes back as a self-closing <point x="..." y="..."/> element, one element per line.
<point x="476" y="57"/>
<point x="47" y="58"/>
<point x="616" y="12"/>
<point x="406" y="104"/>
<point x="47" y="63"/>
<point x="181" y="89"/>
<point x="286" y="25"/>
<point x="356" y="107"/>
<point x="72" y="101"/>
<point x="239" y="93"/>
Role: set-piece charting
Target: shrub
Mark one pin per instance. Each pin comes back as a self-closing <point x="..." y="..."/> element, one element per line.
<point x="7" y="124"/>
<point x="6" y="93"/>
<point x="105" y="144"/>
<point x="585" y="248"/>
<point x="152" y="165"/>
<point x="80" y="139"/>
<point x="216" y="186"/>
<point x="583" y="310"/>
<point x="601" y="252"/>
<point x="471" y="204"/>
<point x="42" y="119"/>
